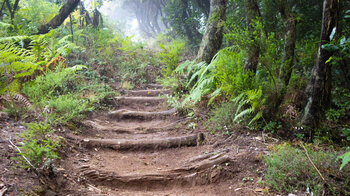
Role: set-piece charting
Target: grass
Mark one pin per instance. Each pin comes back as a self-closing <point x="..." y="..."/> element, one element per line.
<point x="289" y="170"/>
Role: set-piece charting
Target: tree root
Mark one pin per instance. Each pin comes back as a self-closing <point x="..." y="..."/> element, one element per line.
<point x="140" y="99"/>
<point x="144" y="144"/>
<point x="132" y="130"/>
<point x="120" y="114"/>
<point x="149" y="92"/>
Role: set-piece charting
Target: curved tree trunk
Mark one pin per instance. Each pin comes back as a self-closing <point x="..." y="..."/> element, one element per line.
<point x="252" y="13"/>
<point x="64" y="12"/>
<point x="318" y="90"/>
<point x="289" y="22"/>
<point x="212" y="39"/>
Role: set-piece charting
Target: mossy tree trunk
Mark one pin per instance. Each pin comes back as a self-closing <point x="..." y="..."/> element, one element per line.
<point x="318" y="90"/>
<point x="56" y="21"/>
<point x="252" y="13"/>
<point x="289" y="22"/>
<point x="212" y="38"/>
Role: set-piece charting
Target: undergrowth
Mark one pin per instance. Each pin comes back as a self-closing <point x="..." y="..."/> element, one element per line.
<point x="289" y="169"/>
<point x="66" y="94"/>
<point x="38" y="147"/>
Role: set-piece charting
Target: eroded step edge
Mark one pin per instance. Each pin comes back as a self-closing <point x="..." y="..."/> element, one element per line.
<point x="141" y="99"/>
<point x="123" y="113"/>
<point x="146" y="144"/>
<point x="133" y="130"/>
<point x="148" y="92"/>
<point x="204" y="172"/>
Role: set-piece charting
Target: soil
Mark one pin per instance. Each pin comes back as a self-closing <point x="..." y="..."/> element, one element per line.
<point x="164" y="155"/>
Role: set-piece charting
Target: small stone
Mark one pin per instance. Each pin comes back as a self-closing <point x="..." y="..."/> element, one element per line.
<point x="50" y="193"/>
<point x="4" y="115"/>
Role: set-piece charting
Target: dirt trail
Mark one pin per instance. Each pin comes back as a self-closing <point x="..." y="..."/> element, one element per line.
<point x="144" y="148"/>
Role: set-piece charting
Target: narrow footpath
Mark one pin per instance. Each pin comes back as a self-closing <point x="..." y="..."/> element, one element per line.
<point x="145" y="148"/>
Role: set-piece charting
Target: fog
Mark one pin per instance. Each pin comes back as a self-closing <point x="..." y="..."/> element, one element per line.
<point x="119" y="18"/>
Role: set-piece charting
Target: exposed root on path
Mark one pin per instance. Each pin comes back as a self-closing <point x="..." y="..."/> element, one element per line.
<point x="120" y="114"/>
<point x="132" y="130"/>
<point x="140" y="99"/>
<point x="143" y="144"/>
<point x="149" y="92"/>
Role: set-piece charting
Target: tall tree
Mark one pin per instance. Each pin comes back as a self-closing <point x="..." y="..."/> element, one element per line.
<point x="318" y="90"/>
<point x="56" y="21"/>
<point x="212" y="39"/>
<point x="289" y="22"/>
<point x="252" y="13"/>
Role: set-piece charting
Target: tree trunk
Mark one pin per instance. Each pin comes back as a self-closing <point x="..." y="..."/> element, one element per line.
<point x="289" y="22"/>
<point x="85" y="19"/>
<point x="64" y="12"/>
<point x="1" y="8"/>
<point x="252" y="13"/>
<point x="318" y="90"/>
<point x="12" y="11"/>
<point x="212" y="39"/>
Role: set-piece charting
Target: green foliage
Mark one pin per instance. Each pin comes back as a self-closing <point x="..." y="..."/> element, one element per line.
<point x="289" y="170"/>
<point x="15" y="63"/>
<point x="67" y="92"/>
<point x="345" y="159"/>
<point x="32" y="13"/>
<point x="230" y="74"/>
<point x="170" y="55"/>
<point x="222" y="118"/>
<point x="249" y="106"/>
<point x="37" y="146"/>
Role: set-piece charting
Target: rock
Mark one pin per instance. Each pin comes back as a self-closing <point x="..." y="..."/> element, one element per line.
<point x="50" y="193"/>
<point x="4" y="116"/>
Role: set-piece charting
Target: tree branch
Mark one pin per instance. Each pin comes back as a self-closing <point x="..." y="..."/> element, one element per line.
<point x="64" y="12"/>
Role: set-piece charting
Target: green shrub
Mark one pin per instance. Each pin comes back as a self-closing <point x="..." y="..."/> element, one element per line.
<point x="170" y="55"/>
<point x="69" y="93"/>
<point x="229" y="72"/>
<point x="289" y="170"/>
<point x="221" y="119"/>
<point x="37" y="146"/>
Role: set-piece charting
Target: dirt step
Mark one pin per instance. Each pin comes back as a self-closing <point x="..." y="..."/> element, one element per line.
<point x="141" y="99"/>
<point x="154" y="86"/>
<point x="203" y="172"/>
<point x="148" y="92"/>
<point x="160" y="127"/>
<point x="146" y="104"/>
<point x="146" y="144"/>
<point x="124" y="113"/>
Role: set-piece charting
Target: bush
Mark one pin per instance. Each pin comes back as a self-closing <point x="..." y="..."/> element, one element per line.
<point x="222" y="118"/>
<point x="67" y="93"/>
<point x="289" y="170"/>
<point x="170" y="55"/>
<point x="37" y="146"/>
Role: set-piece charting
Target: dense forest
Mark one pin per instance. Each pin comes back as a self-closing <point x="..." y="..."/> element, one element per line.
<point x="174" y="97"/>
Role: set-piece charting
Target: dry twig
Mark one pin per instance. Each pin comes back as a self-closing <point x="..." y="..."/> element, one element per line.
<point x="312" y="163"/>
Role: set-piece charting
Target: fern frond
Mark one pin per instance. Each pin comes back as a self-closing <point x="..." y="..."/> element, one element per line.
<point x="256" y="117"/>
<point x="215" y="94"/>
<point x="243" y="115"/>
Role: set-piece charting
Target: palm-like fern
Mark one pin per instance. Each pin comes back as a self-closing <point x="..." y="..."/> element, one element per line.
<point x="249" y="103"/>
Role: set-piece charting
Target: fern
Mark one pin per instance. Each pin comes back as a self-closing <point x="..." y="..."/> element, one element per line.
<point x="15" y="63"/>
<point x="248" y="103"/>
